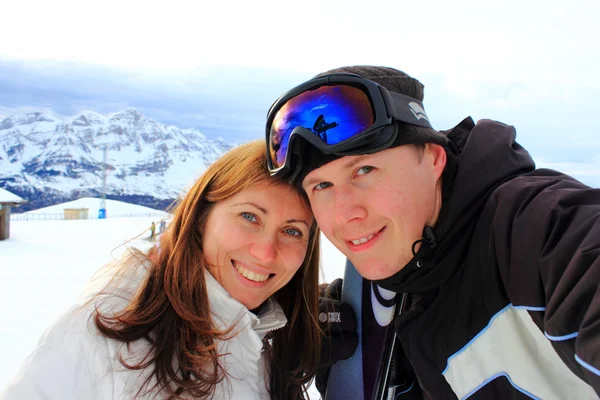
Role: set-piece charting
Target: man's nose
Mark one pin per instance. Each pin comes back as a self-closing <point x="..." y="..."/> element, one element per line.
<point x="264" y="248"/>
<point x="348" y="204"/>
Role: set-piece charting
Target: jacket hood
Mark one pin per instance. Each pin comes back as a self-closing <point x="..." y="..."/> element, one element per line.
<point x="481" y="157"/>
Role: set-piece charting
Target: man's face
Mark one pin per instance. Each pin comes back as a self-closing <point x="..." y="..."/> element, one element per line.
<point x="374" y="207"/>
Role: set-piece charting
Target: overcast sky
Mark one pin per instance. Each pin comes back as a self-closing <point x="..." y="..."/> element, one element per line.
<point x="218" y="66"/>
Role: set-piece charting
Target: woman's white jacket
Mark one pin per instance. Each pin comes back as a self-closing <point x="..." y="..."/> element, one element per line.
<point x="74" y="361"/>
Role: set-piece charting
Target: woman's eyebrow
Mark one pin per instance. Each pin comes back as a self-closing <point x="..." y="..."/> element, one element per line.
<point x="301" y="221"/>
<point x="264" y="210"/>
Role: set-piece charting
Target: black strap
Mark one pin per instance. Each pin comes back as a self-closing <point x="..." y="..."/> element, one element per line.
<point x="409" y="110"/>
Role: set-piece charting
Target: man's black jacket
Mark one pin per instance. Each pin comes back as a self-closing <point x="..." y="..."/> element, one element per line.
<point x="507" y="305"/>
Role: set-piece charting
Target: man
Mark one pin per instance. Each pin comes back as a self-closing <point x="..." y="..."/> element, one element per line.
<point x="500" y="261"/>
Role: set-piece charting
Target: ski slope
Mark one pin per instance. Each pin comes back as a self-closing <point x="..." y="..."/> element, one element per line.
<point x="114" y="209"/>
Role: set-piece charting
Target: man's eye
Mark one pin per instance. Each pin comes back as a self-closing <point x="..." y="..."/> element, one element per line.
<point x="364" y="170"/>
<point x="249" y="216"/>
<point x="322" y="185"/>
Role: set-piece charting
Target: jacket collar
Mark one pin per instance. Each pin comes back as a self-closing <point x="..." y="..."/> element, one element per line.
<point x="228" y="311"/>
<point x="486" y="156"/>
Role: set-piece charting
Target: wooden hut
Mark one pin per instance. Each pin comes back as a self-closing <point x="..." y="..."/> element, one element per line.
<point x="7" y="200"/>
<point x="76" y="213"/>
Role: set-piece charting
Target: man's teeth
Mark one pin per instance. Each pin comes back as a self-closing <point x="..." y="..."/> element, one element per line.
<point x="251" y="275"/>
<point x="362" y="240"/>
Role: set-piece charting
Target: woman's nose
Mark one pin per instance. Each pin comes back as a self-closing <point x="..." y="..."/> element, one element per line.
<point x="264" y="249"/>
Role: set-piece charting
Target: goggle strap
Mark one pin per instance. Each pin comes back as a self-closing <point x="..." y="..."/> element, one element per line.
<point x="410" y="110"/>
<point x="296" y="155"/>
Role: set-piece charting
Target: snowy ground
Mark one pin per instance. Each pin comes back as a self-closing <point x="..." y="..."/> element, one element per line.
<point x="115" y="209"/>
<point x="45" y="265"/>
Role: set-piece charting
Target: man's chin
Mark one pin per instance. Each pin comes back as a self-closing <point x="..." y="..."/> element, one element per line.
<point x="375" y="271"/>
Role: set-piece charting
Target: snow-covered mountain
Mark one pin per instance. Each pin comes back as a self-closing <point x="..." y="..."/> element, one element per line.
<point x="46" y="158"/>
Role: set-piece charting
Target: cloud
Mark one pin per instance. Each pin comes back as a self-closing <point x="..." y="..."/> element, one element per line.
<point x="587" y="171"/>
<point x="556" y="124"/>
<point x="229" y="102"/>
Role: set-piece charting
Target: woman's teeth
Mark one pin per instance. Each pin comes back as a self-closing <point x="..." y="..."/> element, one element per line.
<point x="251" y="275"/>
<point x="362" y="241"/>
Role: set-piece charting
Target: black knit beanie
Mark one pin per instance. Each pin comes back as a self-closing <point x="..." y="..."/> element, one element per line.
<point x="395" y="81"/>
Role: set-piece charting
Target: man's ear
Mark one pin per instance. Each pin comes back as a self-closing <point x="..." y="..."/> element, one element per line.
<point x="438" y="158"/>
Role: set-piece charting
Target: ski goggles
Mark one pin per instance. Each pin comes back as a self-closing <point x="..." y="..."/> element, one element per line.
<point x="341" y="114"/>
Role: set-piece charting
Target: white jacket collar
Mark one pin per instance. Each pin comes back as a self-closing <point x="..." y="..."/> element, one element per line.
<point x="229" y="311"/>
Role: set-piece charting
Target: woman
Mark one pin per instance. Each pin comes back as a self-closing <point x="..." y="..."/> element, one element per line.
<point x="224" y="307"/>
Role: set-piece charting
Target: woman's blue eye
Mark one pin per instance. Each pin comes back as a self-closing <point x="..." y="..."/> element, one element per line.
<point x="364" y="170"/>
<point x="249" y="216"/>
<point x="293" y="232"/>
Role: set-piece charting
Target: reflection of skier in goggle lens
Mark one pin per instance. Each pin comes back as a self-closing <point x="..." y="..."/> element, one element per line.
<point x="340" y="114"/>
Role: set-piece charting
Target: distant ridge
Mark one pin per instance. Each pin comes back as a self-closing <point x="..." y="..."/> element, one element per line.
<point x="47" y="159"/>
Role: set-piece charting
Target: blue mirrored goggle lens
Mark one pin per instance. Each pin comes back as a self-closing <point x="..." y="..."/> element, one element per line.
<point x="332" y="113"/>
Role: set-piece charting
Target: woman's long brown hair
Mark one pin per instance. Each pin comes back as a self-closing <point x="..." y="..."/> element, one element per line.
<point x="170" y="309"/>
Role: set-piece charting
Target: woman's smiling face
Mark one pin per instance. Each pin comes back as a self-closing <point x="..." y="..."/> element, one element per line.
<point x="255" y="241"/>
